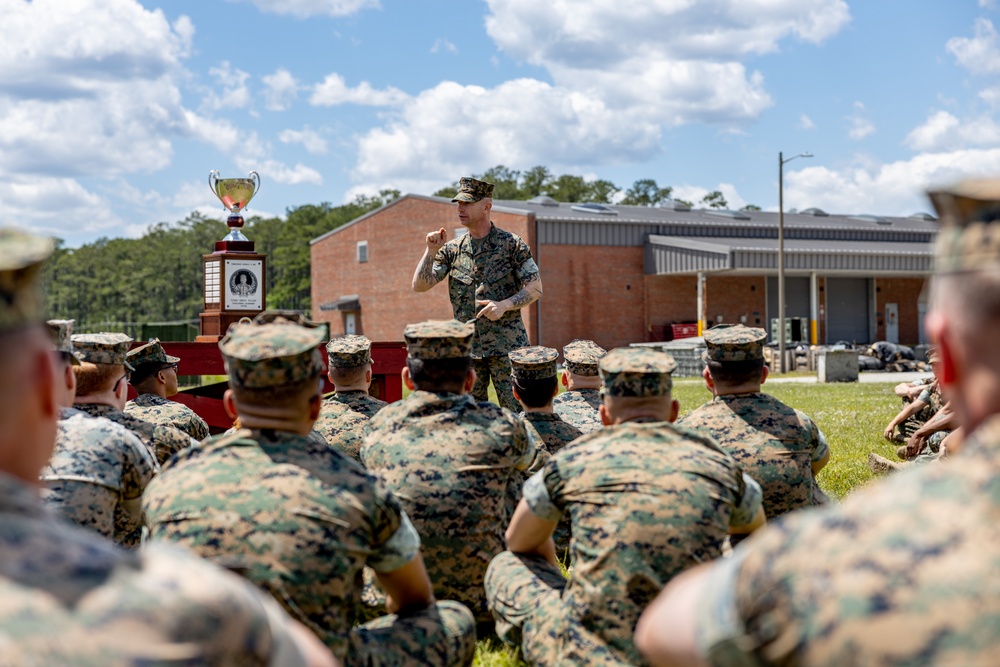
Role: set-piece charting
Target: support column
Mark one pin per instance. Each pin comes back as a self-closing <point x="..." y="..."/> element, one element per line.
<point x="813" y="308"/>
<point x="701" y="303"/>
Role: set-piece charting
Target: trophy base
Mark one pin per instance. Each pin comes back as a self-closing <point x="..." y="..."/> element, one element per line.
<point x="234" y="246"/>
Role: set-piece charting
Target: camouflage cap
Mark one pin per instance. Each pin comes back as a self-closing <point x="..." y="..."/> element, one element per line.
<point x="104" y="348"/>
<point x="271" y="355"/>
<point x="636" y="372"/>
<point x="349" y="351"/>
<point x="533" y="363"/>
<point x="582" y="356"/>
<point x="21" y="299"/>
<point x="439" y="339"/>
<point x="734" y="342"/>
<point x="969" y="238"/>
<point x="151" y="352"/>
<point x="62" y="332"/>
<point x="290" y="317"/>
<point x="471" y="190"/>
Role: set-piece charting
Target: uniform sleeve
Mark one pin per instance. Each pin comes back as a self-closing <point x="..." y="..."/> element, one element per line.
<point x="526" y="269"/>
<point x="442" y="262"/>
<point x="719" y="628"/>
<point x="396" y="541"/>
<point x="536" y="495"/>
<point x="140" y="467"/>
<point x="749" y="503"/>
<point x="925" y="396"/>
<point x="817" y="439"/>
<point x="524" y="445"/>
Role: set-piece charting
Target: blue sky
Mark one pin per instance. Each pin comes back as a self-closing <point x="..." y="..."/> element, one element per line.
<point x="112" y="112"/>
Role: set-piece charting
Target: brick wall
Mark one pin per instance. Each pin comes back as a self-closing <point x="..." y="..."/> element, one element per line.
<point x="735" y="297"/>
<point x="905" y="292"/>
<point x="669" y="300"/>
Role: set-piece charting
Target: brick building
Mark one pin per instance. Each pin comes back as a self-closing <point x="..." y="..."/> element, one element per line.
<point x="624" y="274"/>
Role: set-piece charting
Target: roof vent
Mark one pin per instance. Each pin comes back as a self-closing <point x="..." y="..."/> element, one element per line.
<point x="815" y="212"/>
<point x="723" y="213"/>
<point x="922" y="216"/>
<point x="870" y="218"/>
<point x="543" y="200"/>
<point x="673" y="205"/>
<point x="594" y="208"/>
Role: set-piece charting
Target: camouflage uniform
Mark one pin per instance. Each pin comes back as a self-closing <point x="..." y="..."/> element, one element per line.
<point x="931" y="397"/>
<point x="353" y="352"/>
<point x="341" y="428"/>
<point x="69" y="597"/>
<point x="579" y="407"/>
<point x="155" y="410"/>
<point x="647" y="500"/>
<point x="494" y="269"/>
<point x="162" y="441"/>
<point x="62" y="337"/>
<point x="455" y="465"/>
<point x="96" y="476"/>
<point x="300" y="519"/>
<point x="359" y="401"/>
<point x="773" y="443"/>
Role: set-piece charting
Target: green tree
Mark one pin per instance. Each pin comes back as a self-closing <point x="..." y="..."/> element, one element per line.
<point x="645" y="192"/>
<point x="715" y="199"/>
<point x="749" y="208"/>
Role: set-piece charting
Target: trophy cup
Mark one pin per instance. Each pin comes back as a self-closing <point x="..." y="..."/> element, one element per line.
<point x="235" y="194"/>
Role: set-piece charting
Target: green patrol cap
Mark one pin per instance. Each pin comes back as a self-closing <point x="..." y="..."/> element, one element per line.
<point x="969" y="238"/>
<point x="636" y="372"/>
<point x="349" y="351"/>
<point x="734" y="342"/>
<point x="471" y="190"/>
<point x="582" y="356"/>
<point x="439" y="339"/>
<point x="62" y="331"/>
<point x="533" y="363"/>
<point x="21" y="299"/>
<point x="151" y="352"/>
<point x="104" y="348"/>
<point x="271" y="355"/>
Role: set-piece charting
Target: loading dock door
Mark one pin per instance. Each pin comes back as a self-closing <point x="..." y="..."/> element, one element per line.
<point x="847" y="310"/>
<point x="796" y="299"/>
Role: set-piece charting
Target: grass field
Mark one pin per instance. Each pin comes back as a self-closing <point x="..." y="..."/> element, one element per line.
<point x="852" y="415"/>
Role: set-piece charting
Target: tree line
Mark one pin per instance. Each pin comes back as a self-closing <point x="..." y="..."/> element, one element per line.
<point x="158" y="277"/>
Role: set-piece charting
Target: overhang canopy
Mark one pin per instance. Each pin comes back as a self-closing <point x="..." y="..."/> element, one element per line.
<point x="349" y="303"/>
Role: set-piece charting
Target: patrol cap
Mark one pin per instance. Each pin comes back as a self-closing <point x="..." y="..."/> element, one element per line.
<point x="271" y="355"/>
<point x="734" y="342"/>
<point x="151" y="352"/>
<point x="582" y="356"/>
<point x="349" y="351"/>
<point x="439" y="339"/>
<point x="104" y="348"/>
<point x="969" y="238"/>
<point x="533" y="363"/>
<point x="290" y="317"/>
<point x="471" y="190"/>
<point x="61" y="331"/>
<point x="636" y="372"/>
<point x="21" y="299"/>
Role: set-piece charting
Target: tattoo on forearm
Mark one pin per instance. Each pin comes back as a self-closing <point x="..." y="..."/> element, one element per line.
<point x="525" y="296"/>
<point x="425" y="272"/>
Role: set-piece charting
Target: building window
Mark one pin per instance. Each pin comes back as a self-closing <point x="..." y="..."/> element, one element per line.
<point x="362" y="252"/>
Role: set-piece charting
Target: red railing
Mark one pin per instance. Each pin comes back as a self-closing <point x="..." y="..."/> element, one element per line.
<point x="388" y="360"/>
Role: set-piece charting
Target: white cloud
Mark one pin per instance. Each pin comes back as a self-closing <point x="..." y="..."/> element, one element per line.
<point x="979" y="54"/>
<point x="230" y="91"/>
<point x="310" y="140"/>
<point x="943" y="131"/>
<point x="222" y="134"/>
<point x="443" y="45"/>
<point x="859" y="126"/>
<point x="41" y="203"/>
<point x="280" y="172"/>
<point x="280" y="90"/>
<point x="308" y="8"/>
<point x="695" y="193"/>
<point x="806" y="123"/>
<point x="334" y="91"/>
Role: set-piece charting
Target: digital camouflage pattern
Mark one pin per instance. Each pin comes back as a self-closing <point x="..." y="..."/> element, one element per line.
<point x="21" y="258"/>
<point x="902" y="573"/>
<point x="472" y="190"/>
<point x="96" y="476"/>
<point x="69" y="597"/>
<point x="456" y="467"/>
<point x="498" y="369"/>
<point x="533" y="363"/>
<point x="349" y="351"/>
<point x="359" y="401"/>
<point x="103" y="348"/>
<point x="734" y="342"/>
<point x="772" y="442"/>
<point x="636" y="372"/>
<point x="150" y="353"/>
<point x="931" y="397"/>
<point x="551" y="434"/>
<point x="299" y="520"/>
<point x="579" y="407"/>
<point x="163" y="411"/>
<point x="162" y="441"/>
<point x="62" y="331"/>
<point x="967" y="238"/>
<point x="438" y="339"/>
<point x="647" y="500"/>
<point x="496" y="270"/>
<point x="270" y="355"/>
<point x="582" y="356"/>
<point x="341" y="428"/>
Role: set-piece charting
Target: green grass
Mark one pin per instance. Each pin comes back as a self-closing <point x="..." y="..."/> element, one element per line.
<point x="852" y="415"/>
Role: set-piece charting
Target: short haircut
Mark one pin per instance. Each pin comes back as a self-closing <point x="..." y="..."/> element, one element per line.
<point x="973" y="299"/>
<point x="348" y="375"/>
<point x="96" y="378"/>
<point x="439" y="374"/>
<point x="735" y="373"/>
<point x="286" y="395"/>
<point x="145" y="372"/>
<point x="536" y="393"/>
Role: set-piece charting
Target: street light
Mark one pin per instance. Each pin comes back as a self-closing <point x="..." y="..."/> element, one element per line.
<point x="781" y="255"/>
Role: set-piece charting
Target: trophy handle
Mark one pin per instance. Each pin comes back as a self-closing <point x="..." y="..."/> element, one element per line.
<point x="213" y="181"/>
<point x="255" y="177"/>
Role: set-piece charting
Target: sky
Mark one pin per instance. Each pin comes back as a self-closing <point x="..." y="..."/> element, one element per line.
<point x="113" y="112"/>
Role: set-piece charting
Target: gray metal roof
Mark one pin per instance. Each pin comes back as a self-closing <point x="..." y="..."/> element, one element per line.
<point x="679" y="255"/>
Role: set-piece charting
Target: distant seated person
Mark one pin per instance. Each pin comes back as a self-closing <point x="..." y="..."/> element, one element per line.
<point x="579" y="404"/>
<point x="918" y="409"/>
<point x="155" y="380"/>
<point x="350" y="370"/>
